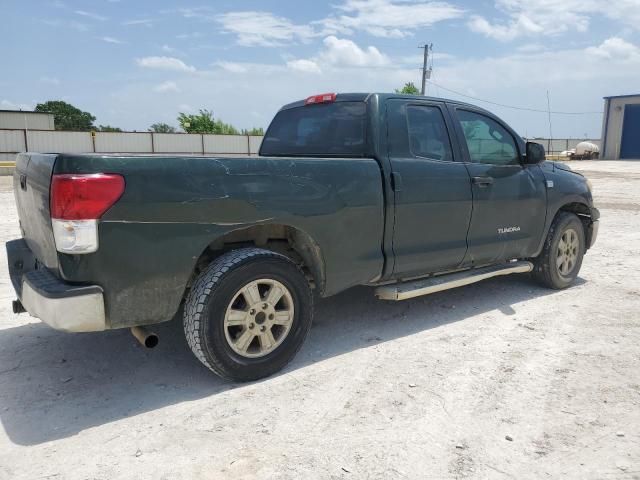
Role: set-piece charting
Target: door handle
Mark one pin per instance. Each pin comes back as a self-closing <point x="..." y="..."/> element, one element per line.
<point x="482" y="181"/>
<point x="23" y="182"/>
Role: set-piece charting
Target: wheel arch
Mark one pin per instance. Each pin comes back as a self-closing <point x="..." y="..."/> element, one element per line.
<point x="288" y="240"/>
<point x="576" y="206"/>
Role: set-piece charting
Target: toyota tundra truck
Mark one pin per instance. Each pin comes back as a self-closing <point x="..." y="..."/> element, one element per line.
<point x="409" y="195"/>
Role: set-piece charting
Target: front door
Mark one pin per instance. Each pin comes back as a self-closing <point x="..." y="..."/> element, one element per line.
<point x="432" y="192"/>
<point x="509" y="199"/>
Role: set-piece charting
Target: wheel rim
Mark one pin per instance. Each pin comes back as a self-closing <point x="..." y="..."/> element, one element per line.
<point x="258" y="318"/>
<point x="567" y="253"/>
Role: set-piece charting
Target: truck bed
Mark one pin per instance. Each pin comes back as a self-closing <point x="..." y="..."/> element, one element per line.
<point x="174" y="207"/>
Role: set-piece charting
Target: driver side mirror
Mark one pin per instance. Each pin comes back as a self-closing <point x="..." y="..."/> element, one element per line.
<point x="535" y="154"/>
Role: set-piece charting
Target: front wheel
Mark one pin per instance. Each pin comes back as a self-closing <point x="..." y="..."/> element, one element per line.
<point x="559" y="263"/>
<point x="248" y="313"/>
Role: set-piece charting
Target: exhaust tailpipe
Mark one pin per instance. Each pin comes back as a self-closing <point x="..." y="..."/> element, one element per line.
<point x="146" y="337"/>
<point x="17" y="306"/>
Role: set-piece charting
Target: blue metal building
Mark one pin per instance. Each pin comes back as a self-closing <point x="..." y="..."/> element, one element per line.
<point x="621" y="128"/>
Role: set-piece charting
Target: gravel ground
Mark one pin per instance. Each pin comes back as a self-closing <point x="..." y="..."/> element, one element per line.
<point x="501" y="379"/>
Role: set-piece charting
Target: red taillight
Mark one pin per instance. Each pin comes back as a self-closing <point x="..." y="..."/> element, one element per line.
<point x="84" y="197"/>
<point x="323" y="98"/>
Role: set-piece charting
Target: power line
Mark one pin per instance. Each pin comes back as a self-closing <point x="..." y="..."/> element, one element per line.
<point x="512" y="106"/>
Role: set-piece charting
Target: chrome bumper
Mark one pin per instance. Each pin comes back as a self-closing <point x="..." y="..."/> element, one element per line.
<point x="63" y="306"/>
<point x="73" y="313"/>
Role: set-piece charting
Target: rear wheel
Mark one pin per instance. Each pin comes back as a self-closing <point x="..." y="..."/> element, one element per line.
<point x="559" y="263"/>
<point x="248" y="314"/>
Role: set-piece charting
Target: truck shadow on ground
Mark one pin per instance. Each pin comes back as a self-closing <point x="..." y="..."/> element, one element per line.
<point x="54" y="385"/>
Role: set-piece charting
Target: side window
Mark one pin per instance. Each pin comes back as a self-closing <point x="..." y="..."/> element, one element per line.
<point x="428" y="136"/>
<point x="487" y="140"/>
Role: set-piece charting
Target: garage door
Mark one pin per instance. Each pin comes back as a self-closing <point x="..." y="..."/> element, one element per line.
<point x="630" y="147"/>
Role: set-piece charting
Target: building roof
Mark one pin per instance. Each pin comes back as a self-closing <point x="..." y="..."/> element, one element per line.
<point x="622" y="96"/>
<point x="25" y="111"/>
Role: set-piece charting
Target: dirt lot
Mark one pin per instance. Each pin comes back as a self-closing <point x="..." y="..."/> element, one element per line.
<point x="497" y="380"/>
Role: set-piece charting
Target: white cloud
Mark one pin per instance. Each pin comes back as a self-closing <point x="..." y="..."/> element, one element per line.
<point x="111" y="40"/>
<point x="232" y="67"/>
<point x="50" y="80"/>
<point x="338" y="53"/>
<point x="382" y="18"/>
<point x="303" y="65"/>
<point x="263" y="29"/>
<point x="390" y="18"/>
<point x="165" y="63"/>
<point x="616" y="48"/>
<point x="167" y="86"/>
<point x="143" y="22"/>
<point x="93" y="16"/>
<point x="551" y="17"/>
<point x="572" y="70"/>
<point x="343" y="52"/>
<point x="78" y="26"/>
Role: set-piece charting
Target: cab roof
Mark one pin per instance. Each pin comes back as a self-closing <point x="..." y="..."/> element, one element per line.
<point x="363" y="97"/>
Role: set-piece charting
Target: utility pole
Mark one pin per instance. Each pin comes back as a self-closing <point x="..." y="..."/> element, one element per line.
<point x="549" y="113"/>
<point x="426" y="70"/>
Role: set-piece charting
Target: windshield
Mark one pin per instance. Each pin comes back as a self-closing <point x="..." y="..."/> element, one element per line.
<point x="329" y="129"/>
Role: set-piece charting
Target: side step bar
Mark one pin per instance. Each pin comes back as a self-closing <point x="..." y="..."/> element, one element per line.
<point x="417" y="288"/>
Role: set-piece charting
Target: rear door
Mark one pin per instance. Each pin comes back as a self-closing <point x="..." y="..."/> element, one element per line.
<point x="509" y="199"/>
<point x="432" y="191"/>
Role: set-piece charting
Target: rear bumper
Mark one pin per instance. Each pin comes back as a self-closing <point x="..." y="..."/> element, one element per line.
<point x="63" y="306"/>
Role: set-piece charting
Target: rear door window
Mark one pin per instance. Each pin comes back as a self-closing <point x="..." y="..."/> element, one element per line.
<point x="428" y="136"/>
<point x="330" y="129"/>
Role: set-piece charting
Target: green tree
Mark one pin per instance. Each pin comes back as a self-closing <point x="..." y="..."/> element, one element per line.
<point x="408" y="89"/>
<point x="257" y="132"/>
<point x="108" y="128"/>
<point x="162" y="128"/>
<point x="66" y="116"/>
<point x="204" y="122"/>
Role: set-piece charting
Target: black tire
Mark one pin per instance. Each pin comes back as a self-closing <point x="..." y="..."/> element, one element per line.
<point x="214" y="290"/>
<point x="546" y="270"/>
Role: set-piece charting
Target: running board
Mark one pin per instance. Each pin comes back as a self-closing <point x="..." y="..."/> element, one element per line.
<point x="417" y="288"/>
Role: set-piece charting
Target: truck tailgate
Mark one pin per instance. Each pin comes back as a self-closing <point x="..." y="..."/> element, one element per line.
<point x="31" y="182"/>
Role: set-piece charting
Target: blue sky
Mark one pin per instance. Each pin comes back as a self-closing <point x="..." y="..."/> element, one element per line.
<point x="133" y="63"/>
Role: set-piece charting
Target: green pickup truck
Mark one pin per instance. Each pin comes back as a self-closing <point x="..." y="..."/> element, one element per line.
<point x="409" y="195"/>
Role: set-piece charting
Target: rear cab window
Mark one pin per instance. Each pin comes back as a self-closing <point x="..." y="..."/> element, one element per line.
<point x="335" y="129"/>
